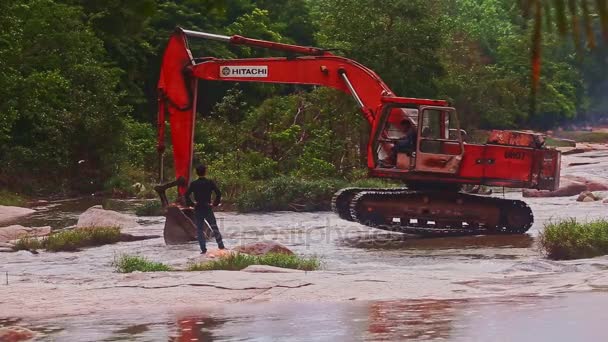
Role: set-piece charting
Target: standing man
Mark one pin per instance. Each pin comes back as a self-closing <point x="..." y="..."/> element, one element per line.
<point x="202" y="189"/>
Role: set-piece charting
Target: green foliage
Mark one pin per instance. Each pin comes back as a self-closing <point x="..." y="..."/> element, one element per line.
<point x="556" y="142"/>
<point x="397" y="39"/>
<point x="487" y="75"/>
<point x="78" y="87"/>
<point x="12" y="199"/>
<point x="239" y="261"/>
<point x="289" y="193"/>
<point x="60" y="100"/>
<point x="150" y="208"/>
<point x="72" y="240"/>
<point x="296" y="194"/>
<point x="131" y="263"/>
<point x="570" y="239"/>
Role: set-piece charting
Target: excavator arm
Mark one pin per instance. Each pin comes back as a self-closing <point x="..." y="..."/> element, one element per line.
<point x="180" y="72"/>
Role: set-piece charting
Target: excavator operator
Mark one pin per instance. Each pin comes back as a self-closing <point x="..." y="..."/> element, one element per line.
<point x="407" y="144"/>
<point x="202" y="189"/>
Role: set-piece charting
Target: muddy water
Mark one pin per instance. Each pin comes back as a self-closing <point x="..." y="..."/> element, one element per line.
<point x="375" y="285"/>
<point x="563" y="318"/>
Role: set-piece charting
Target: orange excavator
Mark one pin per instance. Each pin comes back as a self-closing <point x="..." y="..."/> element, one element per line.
<point x="433" y="171"/>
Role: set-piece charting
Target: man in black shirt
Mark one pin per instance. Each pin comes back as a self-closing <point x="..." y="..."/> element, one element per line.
<point x="202" y="189"/>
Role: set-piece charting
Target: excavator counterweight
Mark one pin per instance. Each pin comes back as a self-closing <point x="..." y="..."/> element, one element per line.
<point x="434" y="168"/>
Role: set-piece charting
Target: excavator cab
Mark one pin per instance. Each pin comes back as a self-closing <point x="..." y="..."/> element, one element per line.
<point x="438" y="146"/>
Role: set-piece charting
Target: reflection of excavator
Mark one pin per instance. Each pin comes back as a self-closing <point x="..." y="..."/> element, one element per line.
<point x="434" y="171"/>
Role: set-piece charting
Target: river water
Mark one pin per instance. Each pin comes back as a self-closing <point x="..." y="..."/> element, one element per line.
<point x="374" y="285"/>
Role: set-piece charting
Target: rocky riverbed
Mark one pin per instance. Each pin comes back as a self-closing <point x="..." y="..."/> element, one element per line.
<point x="372" y="283"/>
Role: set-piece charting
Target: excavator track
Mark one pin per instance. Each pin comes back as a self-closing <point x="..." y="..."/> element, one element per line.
<point x="340" y="202"/>
<point x="434" y="213"/>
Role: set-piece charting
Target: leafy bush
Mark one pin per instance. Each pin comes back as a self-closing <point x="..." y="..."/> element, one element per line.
<point x="296" y="194"/>
<point x="72" y="240"/>
<point x="288" y="193"/>
<point x="150" y="208"/>
<point x="131" y="263"/>
<point x="570" y="239"/>
<point x="239" y="261"/>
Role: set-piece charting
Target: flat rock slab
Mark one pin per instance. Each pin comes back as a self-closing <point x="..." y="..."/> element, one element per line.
<point x="98" y="217"/>
<point x="268" y="269"/>
<point x="16" y="232"/>
<point x="8" y="214"/>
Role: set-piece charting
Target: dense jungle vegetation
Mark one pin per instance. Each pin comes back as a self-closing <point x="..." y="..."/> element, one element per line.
<point x="78" y="86"/>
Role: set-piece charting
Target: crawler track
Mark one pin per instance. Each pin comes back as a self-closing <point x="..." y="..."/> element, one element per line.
<point x="432" y="214"/>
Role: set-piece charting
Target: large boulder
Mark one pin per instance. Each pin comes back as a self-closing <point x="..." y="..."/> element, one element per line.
<point x="15" y="334"/>
<point x="8" y="214"/>
<point x="263" y="248"/>
<point x="98" y="217"/>
<point x="16" y="232"/>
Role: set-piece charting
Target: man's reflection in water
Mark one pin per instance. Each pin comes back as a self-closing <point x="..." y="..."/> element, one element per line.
<point x="196" y="328"/>
<point x="416" y="319"/>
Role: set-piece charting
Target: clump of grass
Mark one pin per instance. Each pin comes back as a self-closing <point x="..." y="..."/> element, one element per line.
<point x="239" y="261"/>
<point x="132" y="263"/>
<point x="556" y="142"/>
<point x="72" y="240"/>
<point x="12" y="199"/>
<point x="150" y="208"/>
<point x="570" y="239"/>
<point x="28" y="244"/>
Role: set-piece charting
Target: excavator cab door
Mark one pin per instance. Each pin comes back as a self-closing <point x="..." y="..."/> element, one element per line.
<point x="440" y="148"/>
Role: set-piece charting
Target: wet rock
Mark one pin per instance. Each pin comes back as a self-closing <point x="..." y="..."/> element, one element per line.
<point x="130" y="238"/>
<point x="577" y="151"/>
<point x="98" y="217"/>
<point x="14" y="334"/>
<point x="179" y="227"/>
<point x="268" y="269"/>
<point x="6" y="247"/>
<point x="587" y="196"/>
<point x="582" y="164"/>
<point x="570" y="186"/>
<point x="8" y="214"/>
<point x="16" y="232"/>
<point x="218" y="253"/>
<point x="263" y="248"/>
